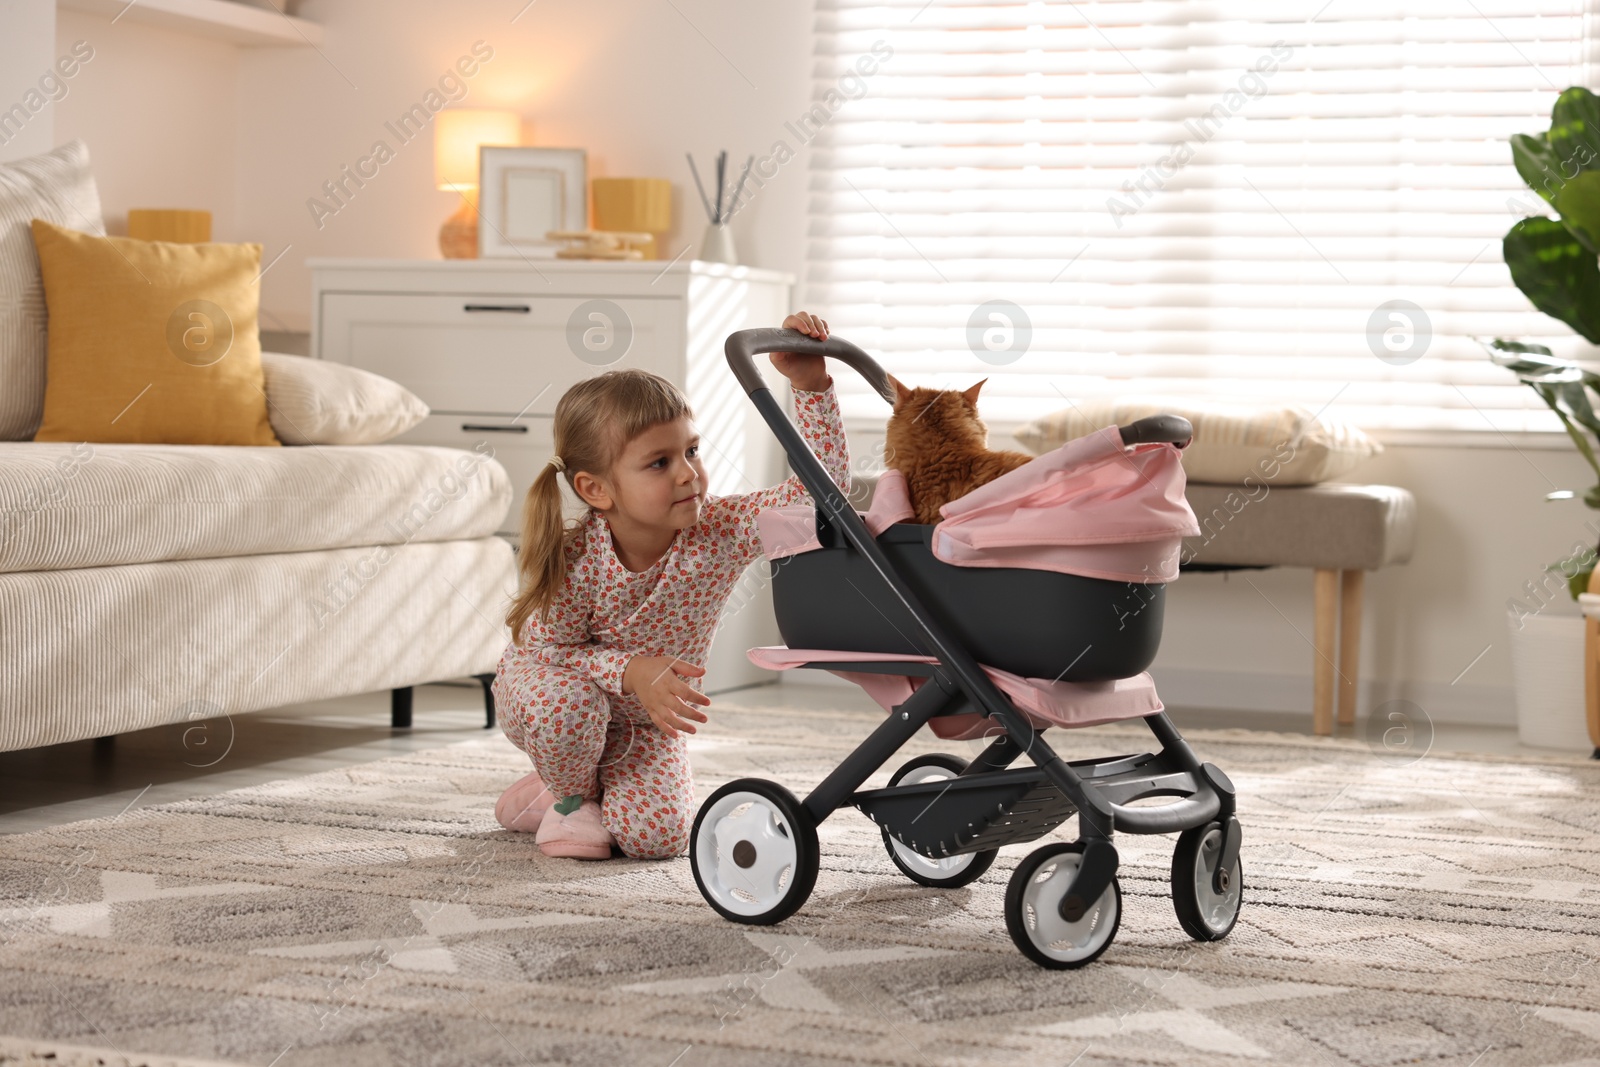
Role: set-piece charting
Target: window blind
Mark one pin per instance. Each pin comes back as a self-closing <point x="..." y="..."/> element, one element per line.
<point x="1186" y="199"/>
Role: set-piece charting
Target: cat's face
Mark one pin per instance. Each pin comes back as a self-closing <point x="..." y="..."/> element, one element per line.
<point x="927" y="420"/>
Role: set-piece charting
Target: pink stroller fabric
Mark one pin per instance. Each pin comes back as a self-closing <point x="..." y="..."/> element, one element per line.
<point x="1091" y="507"/>
<point x="1045" y="703"/>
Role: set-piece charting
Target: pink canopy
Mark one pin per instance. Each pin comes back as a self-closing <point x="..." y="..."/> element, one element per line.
<point x="1091" y="507"/>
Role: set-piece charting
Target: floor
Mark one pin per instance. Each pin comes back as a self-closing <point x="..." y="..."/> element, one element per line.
<point x="50" y="786"/>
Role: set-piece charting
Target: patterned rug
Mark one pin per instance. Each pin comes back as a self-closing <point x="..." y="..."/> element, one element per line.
<point x="1445" y="911"/>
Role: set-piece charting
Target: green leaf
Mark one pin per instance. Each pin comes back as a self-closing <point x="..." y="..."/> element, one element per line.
<point x="1558" y="274"/>
<point x="1575" y="132"/>
<point x="1579" y="203"/>
<point x="1537" y="163"/>
<point x="1558" y="397"/>
<point x="1500" y="344"/>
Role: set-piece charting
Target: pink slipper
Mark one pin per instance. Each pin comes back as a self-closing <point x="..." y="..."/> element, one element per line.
<point x="576" y="835"/>
<point x="522" y="807"/>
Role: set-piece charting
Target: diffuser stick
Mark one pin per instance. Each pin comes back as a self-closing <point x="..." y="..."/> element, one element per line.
<point x="722" y="168"/>
<point x="695" y="171"/>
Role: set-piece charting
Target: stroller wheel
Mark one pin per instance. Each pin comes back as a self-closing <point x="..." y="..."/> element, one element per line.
<point x="754" y="852"/>
<point x="946" y="872"/>
<point x="1033" y="916"/>
<point x="1204" y="912"/>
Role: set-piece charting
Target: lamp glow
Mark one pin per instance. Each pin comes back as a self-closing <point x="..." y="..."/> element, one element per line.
<point x="457" y="136"/>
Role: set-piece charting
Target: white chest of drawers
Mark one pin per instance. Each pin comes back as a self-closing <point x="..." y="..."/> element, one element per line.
<point x="491" y="345"/>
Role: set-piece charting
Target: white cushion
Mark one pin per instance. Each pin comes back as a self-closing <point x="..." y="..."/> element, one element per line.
<point x="1233" y="440"/>
<point x="58" y="188"/>
<point x="78" y="504"/>
<point x="314" y="402"/>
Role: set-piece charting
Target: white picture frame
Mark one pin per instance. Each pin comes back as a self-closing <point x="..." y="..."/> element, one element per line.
<point x="523" y="193"/>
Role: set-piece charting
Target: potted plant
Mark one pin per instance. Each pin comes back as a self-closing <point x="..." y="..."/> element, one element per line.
<point x="1556" y="263"/>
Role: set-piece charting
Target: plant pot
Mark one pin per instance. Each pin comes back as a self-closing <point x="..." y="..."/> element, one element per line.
<point x="1547" y="667"/>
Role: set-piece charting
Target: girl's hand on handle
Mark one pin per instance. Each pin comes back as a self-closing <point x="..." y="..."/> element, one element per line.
<point x="658" y="682"/>
<point x="808" y="372"/>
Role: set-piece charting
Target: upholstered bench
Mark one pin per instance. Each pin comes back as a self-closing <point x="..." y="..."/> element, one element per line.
<point x="1339" y="531"/>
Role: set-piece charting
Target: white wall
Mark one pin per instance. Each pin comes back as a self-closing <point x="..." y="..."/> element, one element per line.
<point x="27" y="52"/>
<point x="175" y="120"/>
<point x="158" y="110"/>
<point x="252" y="134"/>
<point x="631" y="81"/>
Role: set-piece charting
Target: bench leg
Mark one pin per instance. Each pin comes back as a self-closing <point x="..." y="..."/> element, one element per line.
<point x="1325" y="610"/>
<point x="1350" y="583"/>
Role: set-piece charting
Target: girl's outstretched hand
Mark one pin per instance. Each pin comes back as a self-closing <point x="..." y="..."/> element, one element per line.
<point x="808" y="372"/>
<point x="658" y="682"/>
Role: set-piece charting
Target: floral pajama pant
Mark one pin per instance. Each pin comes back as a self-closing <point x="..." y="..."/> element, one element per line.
<point x="584" y="742"/>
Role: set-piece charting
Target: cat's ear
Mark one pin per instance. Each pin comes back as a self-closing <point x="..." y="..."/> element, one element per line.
<point x="900" y="391"/>
<point x="971" y="395"/>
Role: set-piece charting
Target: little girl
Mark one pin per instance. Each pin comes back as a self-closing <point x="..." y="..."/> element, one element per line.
<point x="615" y="613"/>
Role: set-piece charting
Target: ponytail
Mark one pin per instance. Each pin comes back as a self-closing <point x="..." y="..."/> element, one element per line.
<point x="594" y="420"/>
<point x="541" y="560"/>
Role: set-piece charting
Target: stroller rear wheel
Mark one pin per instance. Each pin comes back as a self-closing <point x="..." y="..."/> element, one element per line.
<point x="944" y="872"/>
<point x="754" y="852"/>
<point x="1033" y="915"/>
<point x="1207" y="901"/>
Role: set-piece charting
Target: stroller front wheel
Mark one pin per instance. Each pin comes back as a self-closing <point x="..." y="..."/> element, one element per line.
<point x="1207" y="901"/>
<point x="1033" y="916"/>
<point x="943" y="872"/>
<point x="754" y="852"/>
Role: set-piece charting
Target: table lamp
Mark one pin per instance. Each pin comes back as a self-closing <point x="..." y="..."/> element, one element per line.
<point x="458" y="133"/>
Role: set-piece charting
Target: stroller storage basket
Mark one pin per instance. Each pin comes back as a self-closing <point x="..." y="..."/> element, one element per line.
<point x="1034" y="623"/>
<point x="974" y="812"/>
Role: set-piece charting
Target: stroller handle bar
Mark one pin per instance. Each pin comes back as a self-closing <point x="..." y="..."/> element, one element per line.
<point x="742" y="347"/>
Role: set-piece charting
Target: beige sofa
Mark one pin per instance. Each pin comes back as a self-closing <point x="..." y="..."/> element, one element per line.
<point x="149" y="584"/>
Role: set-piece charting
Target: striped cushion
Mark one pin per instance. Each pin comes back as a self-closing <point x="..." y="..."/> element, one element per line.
<point x="316" y="402"/>
<point x="1235" y="443"/>
<point x="78" y="504"/>
<point x="58" y="188"/>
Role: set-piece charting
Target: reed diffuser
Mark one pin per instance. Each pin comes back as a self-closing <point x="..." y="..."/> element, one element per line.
<point x="717" y="245"/>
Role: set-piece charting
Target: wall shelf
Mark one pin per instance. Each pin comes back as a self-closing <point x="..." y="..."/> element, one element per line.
<point x="221" y="20"/>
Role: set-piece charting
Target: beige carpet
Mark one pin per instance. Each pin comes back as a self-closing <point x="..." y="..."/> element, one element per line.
<point x="1446" y="912"/>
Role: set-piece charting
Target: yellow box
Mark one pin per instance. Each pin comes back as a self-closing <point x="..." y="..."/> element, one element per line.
<point x="169" y="224"/>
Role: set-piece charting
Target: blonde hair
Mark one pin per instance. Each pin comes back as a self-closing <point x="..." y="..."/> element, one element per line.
<point x="594" y="421"/>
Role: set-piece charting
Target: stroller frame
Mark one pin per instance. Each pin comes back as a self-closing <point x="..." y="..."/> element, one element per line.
<point x="986" y="803"/>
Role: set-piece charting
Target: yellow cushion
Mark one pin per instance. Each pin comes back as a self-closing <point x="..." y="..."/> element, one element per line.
<point x="151" y="342"/>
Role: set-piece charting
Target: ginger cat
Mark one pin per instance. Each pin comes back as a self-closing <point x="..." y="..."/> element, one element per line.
<point x="937" y="441"/>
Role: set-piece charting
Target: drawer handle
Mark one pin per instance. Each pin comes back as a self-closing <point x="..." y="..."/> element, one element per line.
<point x="473" y="427"/>
<point x="517" y="309"/>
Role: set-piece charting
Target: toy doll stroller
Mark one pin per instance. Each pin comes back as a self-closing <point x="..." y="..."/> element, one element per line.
<point x="1054" y="571"/>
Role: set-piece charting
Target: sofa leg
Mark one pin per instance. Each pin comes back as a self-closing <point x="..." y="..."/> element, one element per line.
<point x="488" y="699"/>
<point x="400" y="708"/>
